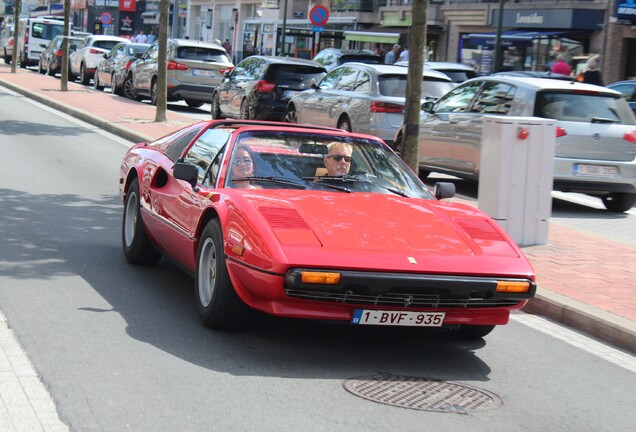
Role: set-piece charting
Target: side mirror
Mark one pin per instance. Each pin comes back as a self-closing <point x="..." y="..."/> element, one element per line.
<point x="186" y="171"/>
<point x="443" y="190"/>
<point x="428" y="106"/>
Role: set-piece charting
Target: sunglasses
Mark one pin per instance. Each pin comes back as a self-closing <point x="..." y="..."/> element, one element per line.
<point x="338" y="158"/>
<point x="245" y="161"/>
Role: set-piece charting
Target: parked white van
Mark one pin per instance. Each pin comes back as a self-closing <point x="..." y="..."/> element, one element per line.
<point x="34" y="36"/>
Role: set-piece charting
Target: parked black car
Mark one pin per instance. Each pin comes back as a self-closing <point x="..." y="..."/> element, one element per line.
<point x="260" y="87"/>
<point x="112" y="71"/>
<point x="51" y="57"/>
<point x="628" y="89"/>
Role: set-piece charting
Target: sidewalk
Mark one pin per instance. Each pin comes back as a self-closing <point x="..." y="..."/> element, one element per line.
<point x="585" y="281"/>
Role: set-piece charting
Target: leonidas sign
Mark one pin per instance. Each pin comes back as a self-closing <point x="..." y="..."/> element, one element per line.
<point x="128" y="5"/>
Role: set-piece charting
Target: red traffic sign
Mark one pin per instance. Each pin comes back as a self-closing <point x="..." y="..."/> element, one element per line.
<point x="106" y="18"/>
<point x="319" y="15"/>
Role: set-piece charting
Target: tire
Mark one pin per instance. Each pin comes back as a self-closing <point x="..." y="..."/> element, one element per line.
<point x="218" y="304"/>
<point x="194" y="104"/>
<point x="113" y="87"/>
<point x="96" y="84"/>
<point x="84" y="78"/>
<point x="216" y="107"/>
<point x="70" y="77"/>
<point x="245" y="111"/>
<point x="345" y="124"/>
<point x="291" y="116"/>
<point x="129" y="89"/>
<point x="7" y="58"/>
<point x="619" y="202"/>
<point x="138" y="248"/>
<point x="49" y="72"/>
<point x="472" y="331"/>
<point x="153" y="92"/>
<point x="23" y="63"/>
<point x="40" y="70"/>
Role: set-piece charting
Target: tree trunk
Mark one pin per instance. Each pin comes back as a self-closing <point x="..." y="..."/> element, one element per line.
<point x="417" y="47"/>
<point x="164" y="11"/>
<point x="64" y="65"/>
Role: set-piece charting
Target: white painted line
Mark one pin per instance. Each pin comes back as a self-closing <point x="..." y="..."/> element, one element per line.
<point x="605" y="352"/>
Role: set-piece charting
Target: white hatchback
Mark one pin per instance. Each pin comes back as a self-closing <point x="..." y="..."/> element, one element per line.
<point x="89" y="54"/>
<point x="595" y="132"/>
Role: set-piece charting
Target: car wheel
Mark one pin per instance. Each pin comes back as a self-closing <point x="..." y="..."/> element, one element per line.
<point x="84" y="78"/>
<point x="96" y="84"/>
<point x="153" y="92"/>
<point x="245" y="110"/>
<point x="49" y="71"/>
<point x="619" y="202"/>
<point x="40" y="69"/>
<point x="216" y="107"/>
<point x="138" y="248"/>
<point x="218" y="304"/>
<point x="7" y="59"/>
<point x="472" y="331"/>
<point x="291" y="116"/>
<point x="129" y="90"/>
<point x="113" y="87"/>
<point x="345" y="124"/>
<point x="194" y="104"/>
<point x="70" y="76"/>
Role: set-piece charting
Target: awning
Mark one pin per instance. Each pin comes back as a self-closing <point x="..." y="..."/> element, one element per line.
<point x="360" y="36"/>
<point x="510" y="37"/>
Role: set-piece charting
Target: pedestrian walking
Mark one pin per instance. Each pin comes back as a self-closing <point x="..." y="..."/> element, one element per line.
<point x="392" y="56"/>
<point x="404" y="55"/>
<point x="592" y="75"/>
<point x="227" y="46"/>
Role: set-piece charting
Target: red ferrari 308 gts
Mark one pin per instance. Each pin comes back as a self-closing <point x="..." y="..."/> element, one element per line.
<point x="309" y="222"/>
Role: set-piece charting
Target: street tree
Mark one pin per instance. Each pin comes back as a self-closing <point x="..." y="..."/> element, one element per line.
<point x="64" y="65"/>
<point x="161" y="95"/>
<point x="417" y="47"/>
<point x="16" y="30"/>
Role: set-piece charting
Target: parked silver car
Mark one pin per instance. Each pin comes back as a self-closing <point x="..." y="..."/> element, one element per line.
<point x="458" y="72"/>
<point x="595" y="132"/>
<point x="89" y="53"/>
<point x="194" y="70"/>
<point x="363" y="98"/>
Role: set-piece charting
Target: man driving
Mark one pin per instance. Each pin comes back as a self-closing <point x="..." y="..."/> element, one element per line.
<point x="338" y="159"/>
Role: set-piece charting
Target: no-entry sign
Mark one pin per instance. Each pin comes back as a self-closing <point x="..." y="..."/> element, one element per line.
<point x="319" y="15"/>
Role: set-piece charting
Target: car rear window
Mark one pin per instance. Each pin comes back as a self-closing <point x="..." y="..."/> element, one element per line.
<point x="583" y="107"/>
<point x="395" y="86"/>
<point x="360" y="58"/>
<point x="289" y="73"/>
<point x="202" y="54"/>
<point x="459" y="76"/>
<point x="105" y="44"/>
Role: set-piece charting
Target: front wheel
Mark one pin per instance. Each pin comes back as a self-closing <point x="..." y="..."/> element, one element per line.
<point x="193" y="103"/>
<point x="153" y="92"/>
<point x="129" y="89"/>
<point x="138" y="248"/>
<point x="291" y="116"/>
<point x="113" y="86"/>
<point x="245" y="110"/>
<point x="84" y="77"/>
<point x="218" y="304"/>
<point x="619" y="202"/>
<point x="96" y="84"/>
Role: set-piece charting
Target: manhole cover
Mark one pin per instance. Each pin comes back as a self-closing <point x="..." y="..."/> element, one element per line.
<point x="422" y="394"/>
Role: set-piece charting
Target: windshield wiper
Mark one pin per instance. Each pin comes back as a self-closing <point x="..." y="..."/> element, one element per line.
<point x="603" y="120"/>
<point x="356" y="179"/>
<point x="271" y="179"/>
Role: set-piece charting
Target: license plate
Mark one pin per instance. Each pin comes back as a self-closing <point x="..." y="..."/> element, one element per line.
<point x="595" y="170"/>
<point x="392" y="318"/>
<point x="202" y="72"/>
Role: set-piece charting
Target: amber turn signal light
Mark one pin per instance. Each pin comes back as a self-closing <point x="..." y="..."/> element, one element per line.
<point x="512" y="287"/>
<point x="320" y="278"/>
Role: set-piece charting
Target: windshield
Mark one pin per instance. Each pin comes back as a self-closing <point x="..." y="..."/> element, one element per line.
<point x="583" y="107"/>
<point x="284" y="160"/>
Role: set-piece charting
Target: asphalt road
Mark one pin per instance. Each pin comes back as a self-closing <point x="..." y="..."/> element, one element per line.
<point x="121" y="347"/>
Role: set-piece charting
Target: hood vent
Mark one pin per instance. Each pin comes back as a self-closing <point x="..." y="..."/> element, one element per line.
<point x="283" y="218"/>
<point x="481" y="229"/>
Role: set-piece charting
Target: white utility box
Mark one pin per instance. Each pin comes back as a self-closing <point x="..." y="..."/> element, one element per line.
<point x="515" y="175"/>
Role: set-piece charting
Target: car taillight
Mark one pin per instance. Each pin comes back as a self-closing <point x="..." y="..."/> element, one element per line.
<point x="630" y="136"/>
<point x="172" y="65"/>
<point x="95" y="51"/>
<point x="224" y="71"/>
<point x="386" y="107"/>
<point x="560" y="132"/>
<point x="58" y="53"/>
<point x="264" y="86"/>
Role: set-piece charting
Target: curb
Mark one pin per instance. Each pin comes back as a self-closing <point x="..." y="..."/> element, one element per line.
<point x="593" y="321"/>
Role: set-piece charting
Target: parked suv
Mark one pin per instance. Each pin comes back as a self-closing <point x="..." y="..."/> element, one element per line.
<point x="194" y="70"/>
<point x="85" y="59"/>
<point x="259" y="87"/>
<point x="331" y="58"/>
<point x="595" y="131"/>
